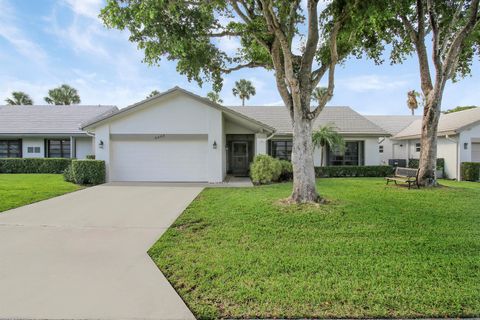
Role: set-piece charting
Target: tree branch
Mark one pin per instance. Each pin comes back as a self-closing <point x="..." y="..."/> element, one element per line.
<point x="312" y="40"/>
<point x="451" y="58"/>
<point x="243" y="66"/>
<point x="331" y="72"/>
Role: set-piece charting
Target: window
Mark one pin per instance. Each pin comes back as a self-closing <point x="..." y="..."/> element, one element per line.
<point x="380" y="149"/>
<point x="10" y="148"/>
<point x="281" y="149"/>
<point x="351" y="156"/>
<point x="33" y="150"/>
<point x="58" y="148"/>
<point x="417" y="147"/>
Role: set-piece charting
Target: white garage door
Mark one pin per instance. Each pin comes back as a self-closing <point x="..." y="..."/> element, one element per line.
<point x="476" y="152"/>
<point x="163" y="160"/>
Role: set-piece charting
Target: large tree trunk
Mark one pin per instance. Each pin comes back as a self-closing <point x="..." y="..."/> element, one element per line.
<point x="428" y="152"/>
<point x="304" y="187"/>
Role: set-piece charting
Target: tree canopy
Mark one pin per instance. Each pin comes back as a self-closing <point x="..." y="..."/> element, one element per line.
<point x="244" y="89"/>
<point x="63" y="95"/>
<point x="214" y="96"/>
<point x="153" y="93"/>
<point x="19" y="98"/>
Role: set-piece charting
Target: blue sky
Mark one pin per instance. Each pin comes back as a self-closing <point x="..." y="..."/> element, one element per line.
<point x="44" y="43"/>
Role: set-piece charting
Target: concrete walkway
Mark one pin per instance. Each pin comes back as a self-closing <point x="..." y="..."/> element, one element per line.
<point x="83" y="255"/>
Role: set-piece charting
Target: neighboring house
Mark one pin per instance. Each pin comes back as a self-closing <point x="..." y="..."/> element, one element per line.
<point x="458" y="139"/>
<point x="392" y="150"/>
<point x="179" y="136"/>
<point x="46" y="131"/>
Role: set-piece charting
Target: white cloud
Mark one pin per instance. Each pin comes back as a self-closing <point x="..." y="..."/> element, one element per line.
<point x="10" y="30"/>
<point x="229" y="45"/>
<point x="88" y="8"/>
<point x="372" y="82"/>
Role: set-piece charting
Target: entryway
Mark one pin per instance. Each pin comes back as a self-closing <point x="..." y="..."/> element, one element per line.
<point x="240" y="154"/>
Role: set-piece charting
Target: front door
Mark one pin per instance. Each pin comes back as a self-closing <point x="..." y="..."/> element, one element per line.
<point x="240" y="158"/>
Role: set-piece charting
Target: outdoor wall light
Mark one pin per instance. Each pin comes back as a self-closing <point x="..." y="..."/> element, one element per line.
<point x="100" y="144"/>
<point x="465" y="145"/>
<point x="214" y="144"/>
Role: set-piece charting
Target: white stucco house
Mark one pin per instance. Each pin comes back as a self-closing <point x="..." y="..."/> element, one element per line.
<point x="458" y="139"/>
<point x="180" y="136"/>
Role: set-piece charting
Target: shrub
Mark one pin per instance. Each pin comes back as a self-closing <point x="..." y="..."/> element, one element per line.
<point x="470" y="171"/>
<point x="265" y="169"/>
<point x="353" y="171"/>
<point x="68" y="174"/>
<point x="34" y="165"/>
<point x="286" y="171"/>
<point x="88" y="171"/>
<point x="90" y="157"/>
<point x="413" y="163"/>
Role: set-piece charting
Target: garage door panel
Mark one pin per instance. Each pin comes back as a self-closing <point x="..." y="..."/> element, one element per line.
<point x="165" y="160"/>
<point x="476" y="152"/>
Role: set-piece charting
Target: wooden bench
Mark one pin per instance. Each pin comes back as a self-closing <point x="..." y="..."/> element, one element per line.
<point x="405" y="175"/>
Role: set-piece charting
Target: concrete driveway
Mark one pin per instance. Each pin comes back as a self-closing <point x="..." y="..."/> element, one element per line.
<point x="83" y="255"/>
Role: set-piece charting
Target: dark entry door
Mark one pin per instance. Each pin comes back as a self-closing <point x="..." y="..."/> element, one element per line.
<point x="240" y="158"/>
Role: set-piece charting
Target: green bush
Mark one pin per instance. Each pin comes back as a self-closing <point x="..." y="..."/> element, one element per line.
<point x="286" y="171"/>
<point x="470" y="171"/>
<point x="265" y="169"/>
<point x="413" y="163"/>
<point x="88" y="171"/>
<point x="68" y="174"/>
<point x="34" y="165"/>
<point x="353" y="171"/>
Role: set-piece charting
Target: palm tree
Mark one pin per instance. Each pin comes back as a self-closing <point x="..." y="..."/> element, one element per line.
<point x="153" y="94"/>
<point x="19" y="98"/>
<point x="244" y="89"/>
<point x="412" y="100"/>
<point x="318" y="93"/>
<point x="214" y="96"/>
<point x="63" y="95"/>
<point x="327" y="136"/>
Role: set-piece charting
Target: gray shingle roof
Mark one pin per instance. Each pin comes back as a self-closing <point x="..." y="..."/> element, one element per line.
<point x="47" y="119"/>
<point x="393" y="124"/>
<point x="448" y="124"/>
<point x="345" y="119"/>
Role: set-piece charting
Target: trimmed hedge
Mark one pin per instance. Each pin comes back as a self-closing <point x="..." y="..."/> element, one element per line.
<point x="265" y="169"/>
<point x="86" y="172"/>
<point x="34" y="165"/>
<point x="470" y="171"/>
<point x="413" y="163"/>
<point x="353" y="171"/>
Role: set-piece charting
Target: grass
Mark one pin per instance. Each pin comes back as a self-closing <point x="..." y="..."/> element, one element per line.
<point x="374" y="251"/>
<point x="20" y="189"/>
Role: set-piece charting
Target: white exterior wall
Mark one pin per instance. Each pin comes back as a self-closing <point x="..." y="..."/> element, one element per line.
<point x="372" y="156"/>
<point x="466" y="136"/>
<point x="84" y="147"/>
<point x="215" y="156"/>
<point x="447" y="149"/>
<point x="178" y="114"/>
<point x="260" y="143"/>
<point x="33" y="142"/>
<point x="387" y="154"/>
<point x="102" y="134"/>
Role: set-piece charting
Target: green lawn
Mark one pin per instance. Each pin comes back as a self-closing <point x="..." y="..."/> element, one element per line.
<point x="20" y="189"/>
<point x="374" y="251"/>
